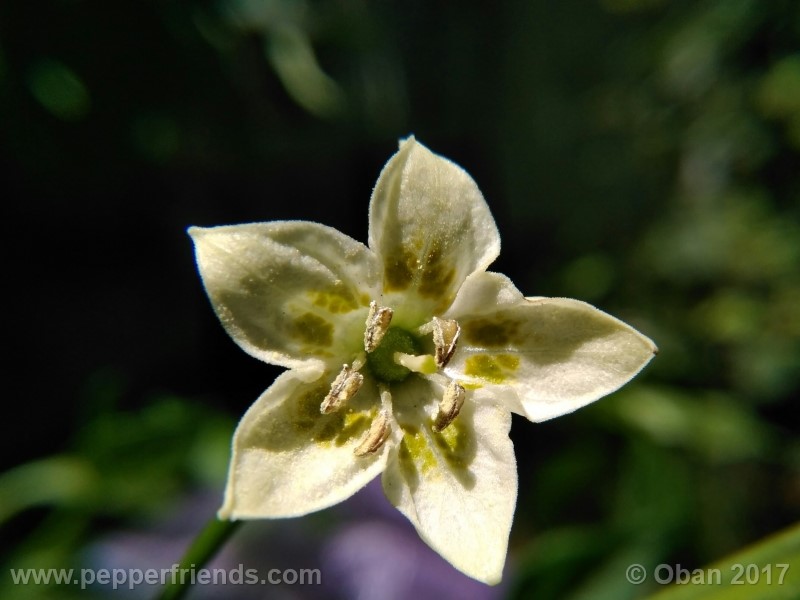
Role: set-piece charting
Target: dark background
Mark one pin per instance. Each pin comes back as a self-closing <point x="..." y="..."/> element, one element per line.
<point x="637" y="154"/>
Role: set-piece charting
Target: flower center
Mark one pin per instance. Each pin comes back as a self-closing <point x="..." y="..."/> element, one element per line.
<point x="381" y="361"/>
<point x="391" y="354"/>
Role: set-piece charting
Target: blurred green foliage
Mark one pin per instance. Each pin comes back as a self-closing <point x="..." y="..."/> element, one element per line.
<point x="638" y="154"/>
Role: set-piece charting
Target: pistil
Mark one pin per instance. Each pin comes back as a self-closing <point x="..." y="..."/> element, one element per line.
<point x="419" y="363"/>
<point x="382" y="363"/>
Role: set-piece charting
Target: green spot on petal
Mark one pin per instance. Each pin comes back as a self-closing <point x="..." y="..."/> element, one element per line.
<point x="491" y="333"/>
<point x="313" y="330"/>
<point x="399" y="272"/>
<point x="307" y="413"/>
<point x="492" y="368"/>
<point x="431" y="273"/>
<point x="436" y="276"/>
<point x="329" y="428"/>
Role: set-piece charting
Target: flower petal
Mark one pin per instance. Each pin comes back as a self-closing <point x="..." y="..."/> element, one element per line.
<point x="290" y="293"/>
<point x="431" y="227"/>
<point x="290" y="460"/>
<point x="558" y="354"/>
<point x="458" y="487"/>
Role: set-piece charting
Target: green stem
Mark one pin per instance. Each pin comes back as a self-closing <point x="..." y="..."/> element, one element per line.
<point x="207" y="543"/>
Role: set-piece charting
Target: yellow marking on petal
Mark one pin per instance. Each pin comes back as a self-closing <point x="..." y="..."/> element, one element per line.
<point x="495" y="368"/>
<point x="312" y="329"/>
<point x="492" y="332"/>
<point x="358" y="420"/>
<point x="414" y="451"/>
<point x="337" y="299"/>
<point x="507" y="361"/>
<point x="455" y="444"/>
<point x="354" y="426"/>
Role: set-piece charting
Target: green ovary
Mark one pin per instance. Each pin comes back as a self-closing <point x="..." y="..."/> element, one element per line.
<point x="381" y="360"/>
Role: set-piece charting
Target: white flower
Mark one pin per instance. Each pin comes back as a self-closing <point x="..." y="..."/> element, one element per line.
<point x="405" y="358"/>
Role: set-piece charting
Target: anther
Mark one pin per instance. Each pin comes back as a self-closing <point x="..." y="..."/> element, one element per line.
<point x="445" y="337"/>
<point x="344" y="387"/>
<point x="450" y="406"/>
<point x="376" y="436"/>
<point x="378" y="321"/>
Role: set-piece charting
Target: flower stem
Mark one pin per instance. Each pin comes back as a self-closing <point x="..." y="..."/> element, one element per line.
<point x="203" y="548"/>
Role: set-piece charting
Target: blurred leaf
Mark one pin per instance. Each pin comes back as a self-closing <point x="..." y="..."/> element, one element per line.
<point x="589" y="277"/>
<point x="157" y="137"/>
<point x="58" y="480"/>
<point x="51" y="545"/>
<point x="290" y="53"/>
<point x="59" y="90"/>
<point x="547" y="569"/>
<point x="736" y="236"/>
<point x="779" y="92"/>
<point x="155" y="449"/>
<point x="606" y="581"/>
<point x="654" y="493"/>
<point x="767" y="555"/>
<point x="710" y="424"/>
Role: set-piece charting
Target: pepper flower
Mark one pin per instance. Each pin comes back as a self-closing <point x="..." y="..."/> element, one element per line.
<point x="405" y="358"/>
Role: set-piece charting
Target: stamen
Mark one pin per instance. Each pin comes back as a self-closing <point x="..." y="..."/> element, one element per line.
<point x="376" y="436"/>
<point x="423" y="363"/>
<point x="344" y="387"/>
<point x="359" y="361"/>
<point x="445" y="337"/>
<point x="425" y="329"/>
<point x="378" y="321"/>
<point x="450" y="406"/>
